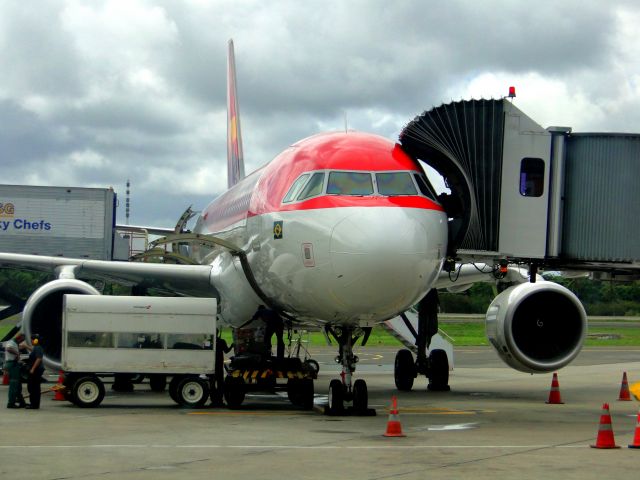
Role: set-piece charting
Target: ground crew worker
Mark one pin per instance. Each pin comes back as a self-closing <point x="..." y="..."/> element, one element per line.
<point x="274" y="324"/>
<point x="221" y="349"/>
<point x="36" y="369"/>
<point x="12" y="367"/>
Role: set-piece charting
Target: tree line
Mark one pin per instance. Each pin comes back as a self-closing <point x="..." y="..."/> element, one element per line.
<point x="598" y="297"/>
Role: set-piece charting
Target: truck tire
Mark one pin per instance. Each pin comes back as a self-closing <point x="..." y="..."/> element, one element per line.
<point x="173" y="387"/>
<point x="192" y="392"/>
<point x="87" y="392"/>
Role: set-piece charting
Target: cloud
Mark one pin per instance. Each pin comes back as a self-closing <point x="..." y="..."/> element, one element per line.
<point x="97" y="92"/>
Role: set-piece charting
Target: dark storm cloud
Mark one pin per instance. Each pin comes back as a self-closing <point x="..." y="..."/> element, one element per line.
<point x="97" y="92"/>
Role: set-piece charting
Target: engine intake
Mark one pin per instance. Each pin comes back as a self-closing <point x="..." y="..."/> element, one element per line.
<point x="42" y="314"/>
<point x="536" y="327"/>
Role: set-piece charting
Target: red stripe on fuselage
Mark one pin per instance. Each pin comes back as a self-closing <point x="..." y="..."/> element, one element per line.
<point x="352" y="151"/>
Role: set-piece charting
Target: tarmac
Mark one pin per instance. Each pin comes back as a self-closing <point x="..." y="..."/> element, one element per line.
<point x="493" y="423"/>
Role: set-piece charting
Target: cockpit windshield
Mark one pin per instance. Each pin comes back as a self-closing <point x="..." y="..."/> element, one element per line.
<point x="350" y="183"/>
<point x="395" y="183"/>
<point x="387" y="184"/>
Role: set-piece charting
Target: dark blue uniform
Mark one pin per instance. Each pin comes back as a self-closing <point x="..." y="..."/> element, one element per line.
<point x="35" y="376"/>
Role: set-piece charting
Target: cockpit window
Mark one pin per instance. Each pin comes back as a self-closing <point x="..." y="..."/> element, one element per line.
<point x="313" y="187"/>
<point x="424" y="186"/>
<point x="295" y="188"/>
<point x="350" y="183"/>
<point x="395" y="183"/>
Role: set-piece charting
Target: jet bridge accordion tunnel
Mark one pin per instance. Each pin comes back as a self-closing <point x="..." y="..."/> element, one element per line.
<point x="526" y="193"/>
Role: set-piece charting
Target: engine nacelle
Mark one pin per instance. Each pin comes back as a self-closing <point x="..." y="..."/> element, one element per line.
<point x="42" y="314"/>
<point x="536" y="327"/>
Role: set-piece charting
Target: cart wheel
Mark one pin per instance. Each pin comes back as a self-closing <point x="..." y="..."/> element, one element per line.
<point x="192" y="392"/>
<point x="234" y="391"/>
<point x="87" y="392"/>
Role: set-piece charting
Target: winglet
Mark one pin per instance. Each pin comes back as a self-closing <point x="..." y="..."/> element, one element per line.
<point x="235" y="160"/>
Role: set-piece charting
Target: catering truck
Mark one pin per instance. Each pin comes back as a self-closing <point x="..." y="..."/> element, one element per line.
<point x="103" y="336"/>
<point x="58" y="221"/>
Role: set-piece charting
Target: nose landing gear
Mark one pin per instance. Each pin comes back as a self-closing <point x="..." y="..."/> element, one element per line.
<point x="345" y="389"/>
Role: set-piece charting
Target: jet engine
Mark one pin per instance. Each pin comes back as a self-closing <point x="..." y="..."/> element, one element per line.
<point x="536" y="327"/>
<point x="42" y="314"/>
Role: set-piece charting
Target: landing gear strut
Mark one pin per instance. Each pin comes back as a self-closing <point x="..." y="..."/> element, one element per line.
<point x="435" y="366"/>
<point x="345" y="389"/>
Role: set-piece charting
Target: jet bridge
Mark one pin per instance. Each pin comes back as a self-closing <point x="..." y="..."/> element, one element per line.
<point x="521" y="192"/>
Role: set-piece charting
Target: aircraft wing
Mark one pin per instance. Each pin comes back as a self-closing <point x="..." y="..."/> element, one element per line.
<point x="180" y="279"/>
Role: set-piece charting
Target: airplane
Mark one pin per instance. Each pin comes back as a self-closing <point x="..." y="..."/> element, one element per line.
<point x="341" y="231"/>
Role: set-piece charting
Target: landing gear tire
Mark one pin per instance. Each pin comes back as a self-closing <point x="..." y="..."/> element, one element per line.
<point x="157" y="382"/>
<point x="234" y="391"/>
<point x="336" y="397"/>
<point x="192" y="392"/>
<point x="360" y="396"/>
<point x="438" y="371"/>
<point x="87" y="392"/>
<point x="404" y="370"/>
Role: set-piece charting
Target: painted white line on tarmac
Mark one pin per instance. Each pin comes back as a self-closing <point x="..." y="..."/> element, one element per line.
<point x="288" y="447"/>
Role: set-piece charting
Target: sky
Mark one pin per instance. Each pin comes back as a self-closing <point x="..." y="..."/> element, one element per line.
<point x="95" y="92"/>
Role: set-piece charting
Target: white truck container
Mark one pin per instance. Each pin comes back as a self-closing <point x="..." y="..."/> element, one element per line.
<point x="162" y="336"/>
<point x="57" y="221"/>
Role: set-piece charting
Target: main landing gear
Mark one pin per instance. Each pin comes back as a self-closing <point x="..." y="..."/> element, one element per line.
<point x="435" y="366"/>
<point x="345" y="389"/>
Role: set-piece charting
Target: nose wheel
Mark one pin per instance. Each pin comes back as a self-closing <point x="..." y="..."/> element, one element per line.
<point x="345" y="390"/>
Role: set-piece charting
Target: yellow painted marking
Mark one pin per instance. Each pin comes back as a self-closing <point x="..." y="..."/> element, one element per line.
<point x="246" y="375"/>
<point x="254" y="374"/>
<point x="439" y="411"/>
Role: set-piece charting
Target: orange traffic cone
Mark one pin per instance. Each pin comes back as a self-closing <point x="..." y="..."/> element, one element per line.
<point x="394" y="429"/>
<point x="605" y="431"/>
<point x="624" y="389"/>
<point x="59" y="389"/>
<point x="636" y="437"/>
<point x="554" y="393"/>
<point x="5" y="378"/>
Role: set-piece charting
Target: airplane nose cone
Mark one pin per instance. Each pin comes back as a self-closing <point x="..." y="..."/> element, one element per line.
<point x="383" y="259"/>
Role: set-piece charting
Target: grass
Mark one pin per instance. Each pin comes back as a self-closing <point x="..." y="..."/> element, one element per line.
<point x="472" y="334"/>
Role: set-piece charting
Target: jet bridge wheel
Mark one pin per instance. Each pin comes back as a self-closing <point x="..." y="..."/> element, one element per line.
<point x="438" y="371"/>
<point x="404" y="370"/>
<point x="192" y="392"/>
<point x="87" y="392"/>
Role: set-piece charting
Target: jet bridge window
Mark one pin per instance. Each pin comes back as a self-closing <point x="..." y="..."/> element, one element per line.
<point x="532" y="177"/>
<point x="350" y="183"/>
<point x="313" y="187"/>
<point x="295" y="188"/>
<point x="395" y="183"/>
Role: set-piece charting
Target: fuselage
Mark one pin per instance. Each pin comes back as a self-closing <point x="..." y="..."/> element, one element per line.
<point x="339" y="228"/>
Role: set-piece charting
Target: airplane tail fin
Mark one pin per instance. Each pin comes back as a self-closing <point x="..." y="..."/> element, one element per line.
<point x="235" y="160"/>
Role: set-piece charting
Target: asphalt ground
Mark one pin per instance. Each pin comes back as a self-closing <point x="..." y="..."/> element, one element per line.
<point x="494" y="422"/>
